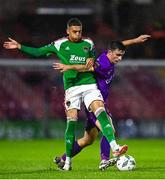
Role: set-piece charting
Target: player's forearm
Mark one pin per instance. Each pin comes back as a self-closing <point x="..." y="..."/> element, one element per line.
<point x="37" y="52"/>
<point x="76" y="67"/>
<point x="80" y="68"/>
<point x="140" y="39"/>
<point x="130" y="42"/>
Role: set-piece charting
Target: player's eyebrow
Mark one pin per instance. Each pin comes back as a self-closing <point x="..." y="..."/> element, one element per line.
<point x="76" y="30"/>
<point x="120" y="54"/>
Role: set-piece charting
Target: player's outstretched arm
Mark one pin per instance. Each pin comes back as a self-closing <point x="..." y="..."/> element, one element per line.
<point x="11" y="44"/>
<point x="81" y="68"/>
<point x="36" y="52"/>
<point x="139" y="39"/>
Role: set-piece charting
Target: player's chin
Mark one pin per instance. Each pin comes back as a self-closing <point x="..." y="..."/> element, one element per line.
<point x="115" y="62"/>
<point x="77" y="39"/>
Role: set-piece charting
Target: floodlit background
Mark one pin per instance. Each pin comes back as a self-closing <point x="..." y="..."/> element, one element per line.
<point x="31" y="92"/>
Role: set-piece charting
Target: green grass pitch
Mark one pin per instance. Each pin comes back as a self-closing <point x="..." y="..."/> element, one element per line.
<point x="32" y="159"/>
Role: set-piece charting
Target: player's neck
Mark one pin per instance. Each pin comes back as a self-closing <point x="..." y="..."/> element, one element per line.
<point x="72" y="40"/>
<point x="109" y="58"/>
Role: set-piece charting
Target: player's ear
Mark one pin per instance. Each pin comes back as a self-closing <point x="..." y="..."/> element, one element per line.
<point x="109" y="51"/>
<point x="67" y="31"/>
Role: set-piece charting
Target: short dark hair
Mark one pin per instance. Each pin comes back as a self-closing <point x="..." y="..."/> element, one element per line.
<point x="116" y="45"/>
<point x="74" y="22"/>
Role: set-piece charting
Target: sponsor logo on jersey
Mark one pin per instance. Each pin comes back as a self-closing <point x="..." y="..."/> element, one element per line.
<point x="75" y="58"/>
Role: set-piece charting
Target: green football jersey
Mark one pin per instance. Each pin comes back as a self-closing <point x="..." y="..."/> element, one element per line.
<point x="69" y="53"/>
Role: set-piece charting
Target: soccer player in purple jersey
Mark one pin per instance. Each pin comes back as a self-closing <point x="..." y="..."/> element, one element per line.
<point x="104" y="69"/>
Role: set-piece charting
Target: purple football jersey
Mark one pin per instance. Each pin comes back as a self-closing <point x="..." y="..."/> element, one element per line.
<point x="104" y="73"/>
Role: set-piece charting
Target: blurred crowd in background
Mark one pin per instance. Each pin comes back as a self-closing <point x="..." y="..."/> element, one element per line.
<point x="37" y="23"/>
<point x="27" y="93"/>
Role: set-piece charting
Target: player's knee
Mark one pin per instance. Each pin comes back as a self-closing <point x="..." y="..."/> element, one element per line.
<point x="71" y="114"/>
<point x="95" y="105"/>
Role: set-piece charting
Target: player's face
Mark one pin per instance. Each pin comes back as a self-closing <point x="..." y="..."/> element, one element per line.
<point x="115" y="56"/>
<point x="75" y="33"/>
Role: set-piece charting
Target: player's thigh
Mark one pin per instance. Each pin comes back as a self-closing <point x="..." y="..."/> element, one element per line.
<point x="73" y="98"/>
<point x="93" y="98"/>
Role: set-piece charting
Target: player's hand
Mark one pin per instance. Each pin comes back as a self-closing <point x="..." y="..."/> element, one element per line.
<point x="142" y="38"/>
<point x="61" y="67"/>
<point x="11" y="44"/>
<point x="89" y="63"/>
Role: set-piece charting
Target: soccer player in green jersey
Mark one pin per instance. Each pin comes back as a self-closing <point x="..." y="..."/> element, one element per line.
<point x="79" y="86"/>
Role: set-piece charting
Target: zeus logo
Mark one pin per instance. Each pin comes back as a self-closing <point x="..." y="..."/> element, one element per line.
<point x="77" y="58"/>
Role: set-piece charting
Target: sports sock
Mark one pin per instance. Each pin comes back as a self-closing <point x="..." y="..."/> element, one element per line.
<point x="104" y="148"/>
<point x="70" y="136"/>
<point x="68" y="160"/>
<point x="114" y="145"/>
<point x="76" y="149"/>
<point x="106" y="127"/>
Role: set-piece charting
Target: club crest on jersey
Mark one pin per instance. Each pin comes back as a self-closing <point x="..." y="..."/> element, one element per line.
<point x="86" y="49"/>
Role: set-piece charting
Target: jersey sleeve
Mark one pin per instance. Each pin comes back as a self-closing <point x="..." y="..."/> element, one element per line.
<point x="93" y="51"/>
<point x="99" y="68"/>
<point x="37" y="52"/>
<point x="43" y="51"/>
